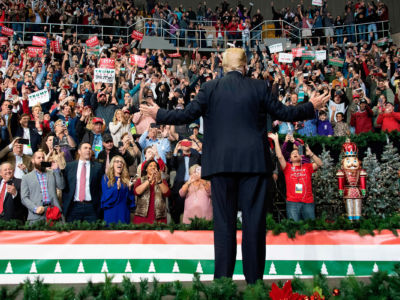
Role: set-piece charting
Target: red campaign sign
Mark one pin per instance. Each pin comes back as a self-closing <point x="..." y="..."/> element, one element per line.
<point x="107" y="63"/>
<point x="35" y="51"/>
<point x="3" y="41"/>
<point x="92" y="42"/>
<point x="6" y="31"/>
<point x="298" y="52"/>
<point x="174" y="55"/>
<point x="55" y="46"/>
<point x="138" y="60"/>
<point x="137" y="35"/>
<point x="39" y="41"/>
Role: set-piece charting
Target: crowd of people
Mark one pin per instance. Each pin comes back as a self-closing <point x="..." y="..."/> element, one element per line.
<point x="88" y="152"/>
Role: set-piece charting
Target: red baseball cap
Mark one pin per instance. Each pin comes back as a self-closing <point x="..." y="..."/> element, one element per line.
<point x="97" y="120"/>
<point x="186" y="143"/>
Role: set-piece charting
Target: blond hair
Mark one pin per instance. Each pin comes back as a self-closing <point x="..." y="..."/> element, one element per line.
<point x="233" y="59"/>
<point x="115" y="121"/>
<point x="110" y="173"/>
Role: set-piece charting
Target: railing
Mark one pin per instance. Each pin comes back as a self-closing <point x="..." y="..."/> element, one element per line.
<point x="203" y="38"/>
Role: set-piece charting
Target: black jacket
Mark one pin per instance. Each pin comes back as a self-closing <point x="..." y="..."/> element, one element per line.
<point x="234" y="110"/>
<point x="129" y="159"/>
<point x="12" y="207"/>
<point x="178" y="163"/>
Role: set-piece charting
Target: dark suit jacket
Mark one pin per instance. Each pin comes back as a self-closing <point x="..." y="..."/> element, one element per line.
<point x="70" y="176"/>
<point x="6" y="155"/>
<point x="36" y="138"/>
<point x="12" y="207"/>
<point x="178" y="163"/>
<point x="234" y="109"/>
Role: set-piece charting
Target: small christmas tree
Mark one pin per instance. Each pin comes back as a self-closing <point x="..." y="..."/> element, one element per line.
<point x="387" y="198"/>
<point x="326" y="196"/>
<point x="373" y="169"/>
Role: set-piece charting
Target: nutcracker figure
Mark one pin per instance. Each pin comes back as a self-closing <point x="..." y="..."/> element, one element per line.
<point x="352" y="180"/>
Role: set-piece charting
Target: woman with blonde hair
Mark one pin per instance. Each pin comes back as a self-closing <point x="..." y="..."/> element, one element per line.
<point x="117" y="198"/>
<point x="119" y="126"/>
<point x="197" y="194"/>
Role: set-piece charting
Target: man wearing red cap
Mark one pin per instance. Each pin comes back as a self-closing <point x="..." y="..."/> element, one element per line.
<point x="93" y="137"/>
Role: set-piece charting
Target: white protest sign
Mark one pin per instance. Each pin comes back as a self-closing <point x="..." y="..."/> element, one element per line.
<point x="104" y="75"/>
<point x="41" y="96"/>
<point x="320" y="55"/>
<point x="285" y="58"/>
<point x="317" y="2"/>
<point x="276" y="48"/>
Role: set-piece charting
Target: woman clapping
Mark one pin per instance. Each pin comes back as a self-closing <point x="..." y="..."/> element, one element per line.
<point x="117" y="198"/>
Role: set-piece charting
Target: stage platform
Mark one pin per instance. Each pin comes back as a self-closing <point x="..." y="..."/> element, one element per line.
<point x="78" y="256"/>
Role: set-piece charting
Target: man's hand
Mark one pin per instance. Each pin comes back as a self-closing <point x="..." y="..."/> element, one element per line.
<point x="54" y="166"/>
<point x="22" y="167"/>
<point x="40" y="210"/>
<point x="319" y="101"/>
<point x="150" y="110"/>
<point x="11" y="189"/>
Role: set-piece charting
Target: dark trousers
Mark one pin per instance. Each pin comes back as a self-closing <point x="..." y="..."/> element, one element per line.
<point x="247" y="192"/>
<point x="82" y="211"/>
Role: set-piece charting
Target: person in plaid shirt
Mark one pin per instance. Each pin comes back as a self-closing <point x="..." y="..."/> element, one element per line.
<point x="38" y="188"/>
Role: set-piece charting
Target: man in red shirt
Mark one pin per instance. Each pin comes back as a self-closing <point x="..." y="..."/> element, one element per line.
<point x="299" y="196"/>
<point x="362" y="119"/>
<point x="389" y="120"/>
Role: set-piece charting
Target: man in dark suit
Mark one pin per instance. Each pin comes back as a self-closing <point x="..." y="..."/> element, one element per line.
<point x="10" y="195"/>
<point x="236" y="157"/>
<point x="183" y="158"/>
<point x="31" y="132"/>
<point x="81" y="195"/>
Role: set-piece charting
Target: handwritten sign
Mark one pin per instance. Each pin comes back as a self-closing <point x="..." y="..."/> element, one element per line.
<point x="137" y="35"/>
<point x="285" y="58"/>
<point x="107" y="63"/>
<point x="104" y="75"/>
<point x="92" y="42"/>
<point x="276" y="48"/>
<point x="39" y="41"/>
<point x="41" y="96"/>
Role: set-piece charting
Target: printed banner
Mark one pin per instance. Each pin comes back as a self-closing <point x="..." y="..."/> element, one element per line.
<point x="276" y="48"/>
<point x="77" y="256"/>
<point x="317" y="2"/>
<point x="174" y="55"/>
<point x="55" y="46"/>
<point x="335" y="61"/>
<point x="298" y="52"/>
<point x="93" y="50"/>
<point x="92" y="42"/>
<point x="39" y="41"/>
<point x="3" y="41"/>
<point x="41" y="96"/>
<point x="382" y="41"/>
<point x="320" y="55"/>
<point x="107" y="63"/>
<point x="137" y="35"/>
<point x="104" y="75"/>
<point x="138" y="60"/>
<point x="35" y="51"/>
<point x="308" y="55"/>
<point x="6" y="31"/>
<point x="285" y="58"/>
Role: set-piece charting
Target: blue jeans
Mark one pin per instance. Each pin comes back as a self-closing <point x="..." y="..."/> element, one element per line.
<point x="372" y="28"/>
<point x="339" y="33"/>
<point x="300" y="211"/>
<point x="361" y="30"/>
<point x="350" y="30"/>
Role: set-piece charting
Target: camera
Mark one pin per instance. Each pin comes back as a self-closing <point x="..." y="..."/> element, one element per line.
<point x="301" y="149"/>
<point x="56" y="142"/>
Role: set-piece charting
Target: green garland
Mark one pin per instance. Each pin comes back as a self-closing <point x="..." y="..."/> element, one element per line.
<point x="363" y="227"/>
<point x="381" y="286"/>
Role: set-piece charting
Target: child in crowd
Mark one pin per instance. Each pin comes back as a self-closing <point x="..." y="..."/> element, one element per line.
<point x="324" y="127"/>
